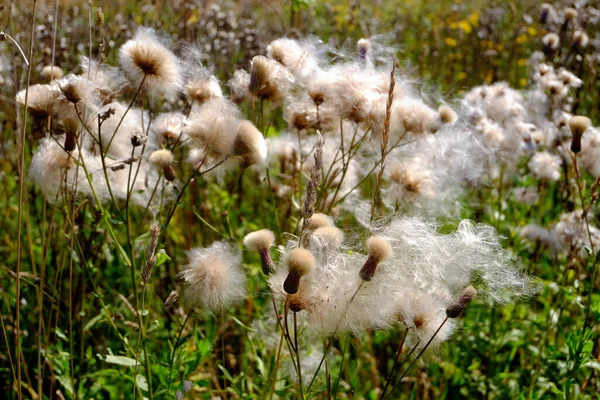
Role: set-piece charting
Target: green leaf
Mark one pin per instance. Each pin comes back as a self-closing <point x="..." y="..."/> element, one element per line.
<point x="141" y="382"/>
<point x="162" y="257"/>
<point x="120" y="360"/>
<point x="93" y="322"/>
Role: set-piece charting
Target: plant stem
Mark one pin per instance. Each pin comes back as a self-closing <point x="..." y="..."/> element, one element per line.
<point x="175" y="349"/>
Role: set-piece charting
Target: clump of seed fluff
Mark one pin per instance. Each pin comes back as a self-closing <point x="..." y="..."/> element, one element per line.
<point x="261" y="241"/>
<point x="214" y="277"/>
<point x="379" y="250"/>
<point x="164" y="159"/>
<point x="146" y="60"/>
<point x="318" y="220"/>
<point x="300" y="262"/>
<point x="578" y="125"/>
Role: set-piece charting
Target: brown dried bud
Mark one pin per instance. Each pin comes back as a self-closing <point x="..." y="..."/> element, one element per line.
<point x="379" y="250"/>
<point x="267" y="264"/>
<point x="71" y="126"/>
<point x="468" y="294"/>
<point x="138" y="139"/>
<point x="169" y="172"/>
<point x="292" y="282"/>
<point x="578" y="124"/>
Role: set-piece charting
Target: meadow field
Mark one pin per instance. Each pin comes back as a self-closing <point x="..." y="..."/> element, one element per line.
<point x="299" y="199"/>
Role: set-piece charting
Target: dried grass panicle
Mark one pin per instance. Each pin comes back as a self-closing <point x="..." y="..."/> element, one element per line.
<point x="151" y="253"/>
<point x="308" y="208"/>
<point x="171" y="299"/>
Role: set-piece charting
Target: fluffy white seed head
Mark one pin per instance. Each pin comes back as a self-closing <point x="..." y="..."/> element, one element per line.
<point x="580" y="40"/>
<point x="52" y="72"/>
<point x="269" y="80"/>
<point x="250" y="144"/>
<point x="551" y="41"/>
<point x="203" y="88"/>
<point x="145" y="58"/>
<point x="579" y="124"/>
<point x="447" y="115"/>
<point x="161" y="158"/>
<point x="259" y="240"/>
<point x="41" y="99"/>
<point x="318" y="220"/>
<point x="570" y="13"/>
<point x="379" y="248"/>
<point x="214" y="278"/>
<point x="213" y="127"/>
<point x="238" y="86"/>
<point x="545" y="166"/>
<point x="300" y="261"/>
<point x="328" y="236"/>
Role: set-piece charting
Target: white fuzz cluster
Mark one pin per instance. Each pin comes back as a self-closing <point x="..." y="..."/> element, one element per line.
<point x="572" y="232"/>
<point x="161" y="158"/>
<point x="589" y="157"/>
<point x="545" y="166"/>
<point x="214" y="278"/>
<point x="540" y="235"/>
<point x="259" y="240"/>
<point x="217" y="133"/>
<point x="116" y="131"/>
<point x="238" y="86"/>
<point x="420" y="274"/>
<point x="145" y="58"/>
<point x="42" y="100"/>
<point x="52" y="72"/>
<point x="166" y="129"/>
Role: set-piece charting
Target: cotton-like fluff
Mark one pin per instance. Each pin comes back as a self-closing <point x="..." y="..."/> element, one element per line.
<point x="424" y="276"/>
<point x="414" y="117"/>
<point x="301" y="58"/>
<point x="589" y="157"/>
<point x="545" y="166"/>
<point x="212" y="128"/>
<point x="202" y="87"/>
<point x="238" y="86"/>
<point x="50" y="166"/>
<point x="540" y="235"/>
<point x="214" y="278"/>
<point x="423" y="312"/>
<point x="427" y="175"/>
<point x="573" y="233"/>
<point x="249" y="145"/>
<point x="269" y="80"/>
<point x="145" y="58"/>
<point x="116" y="131"/>
<point x="108" y="80"/>
<point x="55" y="171"/>
<point x="431" y="259"/>
<point x="166" y="129"/>
<point x="410" y="180"/>
<point x="41" y="99"/>
<point x="51" y="72"/>
<point x="79" y="91"/>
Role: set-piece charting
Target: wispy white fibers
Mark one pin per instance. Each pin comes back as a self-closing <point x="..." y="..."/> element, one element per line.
<point x="424" y="275"/>
<point x="145" y="58"/>
<point x="214" y="277"/>
<point x="545" y="166"/>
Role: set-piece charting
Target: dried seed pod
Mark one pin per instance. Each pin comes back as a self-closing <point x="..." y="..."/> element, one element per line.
<point x="467" y="295"/>
<point x="578" y="125"/>
<point x="299" y="262"/>
<point x="171" y="299"/>
<point x="261" y="241"/>
<point x="379" y="250"/>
